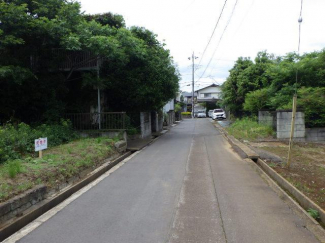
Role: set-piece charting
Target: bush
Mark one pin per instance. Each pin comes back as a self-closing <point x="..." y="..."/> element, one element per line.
<point x="186" y="113"/>
<point x="18" y="141"/>
<point x="312" y="101"/>
<point x="249" y="129"/>
<point x="256" y="100"/>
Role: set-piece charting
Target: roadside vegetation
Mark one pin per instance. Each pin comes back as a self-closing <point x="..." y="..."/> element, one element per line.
<point x="57" y="166"/>
<point x="269" y="83"/>
<point x="136" y="73"/>
<point x="17" y="141"/>
<point x="249" y="129"/>
<point x="67" y="156"/>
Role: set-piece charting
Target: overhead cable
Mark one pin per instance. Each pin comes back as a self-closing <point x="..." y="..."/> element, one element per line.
<point x="223" y="32"/>
<point x="215" y="27"/>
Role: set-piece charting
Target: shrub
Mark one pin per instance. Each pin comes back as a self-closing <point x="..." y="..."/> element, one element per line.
<point x="18" y="141"/>
<point x="256" y="100"/>
<point x="186" y="113"/>
<point x="312" y="101"/>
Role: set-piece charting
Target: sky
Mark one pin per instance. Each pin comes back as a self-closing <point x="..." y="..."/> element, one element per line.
<point x="218" y="32"/>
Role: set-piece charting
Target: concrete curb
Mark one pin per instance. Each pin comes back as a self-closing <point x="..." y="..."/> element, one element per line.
<point x="47" y="204"/>
<point x="282" y="187"/>
<point x="310" y="223"/>
<point x="302" y="199"/>
<point x="243" y="150"/>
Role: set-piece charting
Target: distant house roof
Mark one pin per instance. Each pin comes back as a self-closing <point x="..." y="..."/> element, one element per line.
<point x="212" y="85"/>
<point x="188" y="94"/>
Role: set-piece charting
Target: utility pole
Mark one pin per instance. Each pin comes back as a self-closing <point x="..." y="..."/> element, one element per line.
<point x="193" y="58"/>
<point x="98" y="97"/>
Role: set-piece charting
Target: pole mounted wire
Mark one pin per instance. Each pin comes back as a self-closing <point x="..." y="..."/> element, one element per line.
<point x="215" y="27"/>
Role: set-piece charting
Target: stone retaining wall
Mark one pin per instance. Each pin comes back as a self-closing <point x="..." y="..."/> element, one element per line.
<point x="15" y="206"/>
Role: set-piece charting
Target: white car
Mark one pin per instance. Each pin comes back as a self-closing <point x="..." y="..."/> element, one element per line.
<point x="210" y="113"/>
<point x="218" y="114"/>
<point x="201" y="114"/>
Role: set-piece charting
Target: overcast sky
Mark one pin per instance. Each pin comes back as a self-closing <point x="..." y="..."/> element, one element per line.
<point x="253" y="25"/>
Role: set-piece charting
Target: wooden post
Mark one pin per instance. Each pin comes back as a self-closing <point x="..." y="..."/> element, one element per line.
<point x="40" y="154"/>
<point x="294" y="106"/>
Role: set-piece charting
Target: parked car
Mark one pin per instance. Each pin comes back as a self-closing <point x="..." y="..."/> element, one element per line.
<point x="210" y="113"/>
<point x="201" y="115"/>
<point x="218" y="114"/>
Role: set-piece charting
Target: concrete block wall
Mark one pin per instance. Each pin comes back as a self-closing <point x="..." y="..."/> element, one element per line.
<point x="171" y="118"/>
<point x="268" y="118"/>
<point x="284" y="124"/>
<point x="145" y="121"/>
<point x="315" y="134"/>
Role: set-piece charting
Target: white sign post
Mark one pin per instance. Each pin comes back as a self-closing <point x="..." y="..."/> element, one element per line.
<point x="40" y="144"/>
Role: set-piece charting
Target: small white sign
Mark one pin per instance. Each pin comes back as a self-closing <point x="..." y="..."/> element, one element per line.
<point x="40" y="144"/>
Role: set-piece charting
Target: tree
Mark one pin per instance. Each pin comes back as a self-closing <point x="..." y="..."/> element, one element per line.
<point x="148" y="80"/>
<point x="256" y="100"/>
<point x="136" y="68"/>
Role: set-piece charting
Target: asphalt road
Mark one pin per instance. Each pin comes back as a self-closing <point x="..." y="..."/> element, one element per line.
<point x="188" y="186"/>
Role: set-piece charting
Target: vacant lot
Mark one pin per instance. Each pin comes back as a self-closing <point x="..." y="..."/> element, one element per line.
<point x="307" y="169"/>
<point x="58" y="165"/>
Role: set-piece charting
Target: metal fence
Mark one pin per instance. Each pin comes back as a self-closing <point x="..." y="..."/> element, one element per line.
<point x="109" y="121"/>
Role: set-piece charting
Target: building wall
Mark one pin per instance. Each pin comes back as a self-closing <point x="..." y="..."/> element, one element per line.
<point x="169" y="106"/>
<point x="215" y="93"/>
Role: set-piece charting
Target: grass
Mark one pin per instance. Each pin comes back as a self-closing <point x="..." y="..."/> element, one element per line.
<point x="57" y="165"/>
<point x="249" y="129"/>
<point x="314" y="213"/>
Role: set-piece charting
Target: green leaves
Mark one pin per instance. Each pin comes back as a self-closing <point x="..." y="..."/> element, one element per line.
<point x="270" y="83"/>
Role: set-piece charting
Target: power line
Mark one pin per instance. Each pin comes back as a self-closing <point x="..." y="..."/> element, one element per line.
<point x="224" y="30"/>
<point x="215" y="50"/>
<point x="215" y="27"/>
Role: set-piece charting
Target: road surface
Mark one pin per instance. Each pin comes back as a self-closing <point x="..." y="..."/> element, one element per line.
<point x="188" y="186"/>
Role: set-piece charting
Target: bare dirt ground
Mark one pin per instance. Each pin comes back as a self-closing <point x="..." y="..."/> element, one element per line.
<point x="307" y="169"/>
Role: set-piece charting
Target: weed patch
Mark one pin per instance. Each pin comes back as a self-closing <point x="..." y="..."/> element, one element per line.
<point x="249" y="129"/>
<point x="57" y="165"/>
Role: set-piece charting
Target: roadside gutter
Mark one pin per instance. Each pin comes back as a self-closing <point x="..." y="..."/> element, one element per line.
<point x="296" y="200"/>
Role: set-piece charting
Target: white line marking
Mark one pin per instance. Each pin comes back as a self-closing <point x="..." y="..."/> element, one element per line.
<point x="49" y="214"/>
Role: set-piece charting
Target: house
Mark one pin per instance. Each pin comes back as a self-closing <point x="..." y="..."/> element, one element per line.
<point x="210" y="93"/>
<point x="188" y="100"/>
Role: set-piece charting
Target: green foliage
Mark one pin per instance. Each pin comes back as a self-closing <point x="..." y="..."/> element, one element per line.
<point x="18" y="141"/>
<point x="311" y="101"/>
<point x="270" y="82"/>
<point x="314" y="213"/>
<point x="14" y="167"/>
<point x="256" y="100"/>
<point x="58" y="164"/>
<point x="249" y="129"/>
<point x="186" y="113"/>
<point x="137" y="74"/>
<point x="113" y="20"/>
<point x="178" y="107"/>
